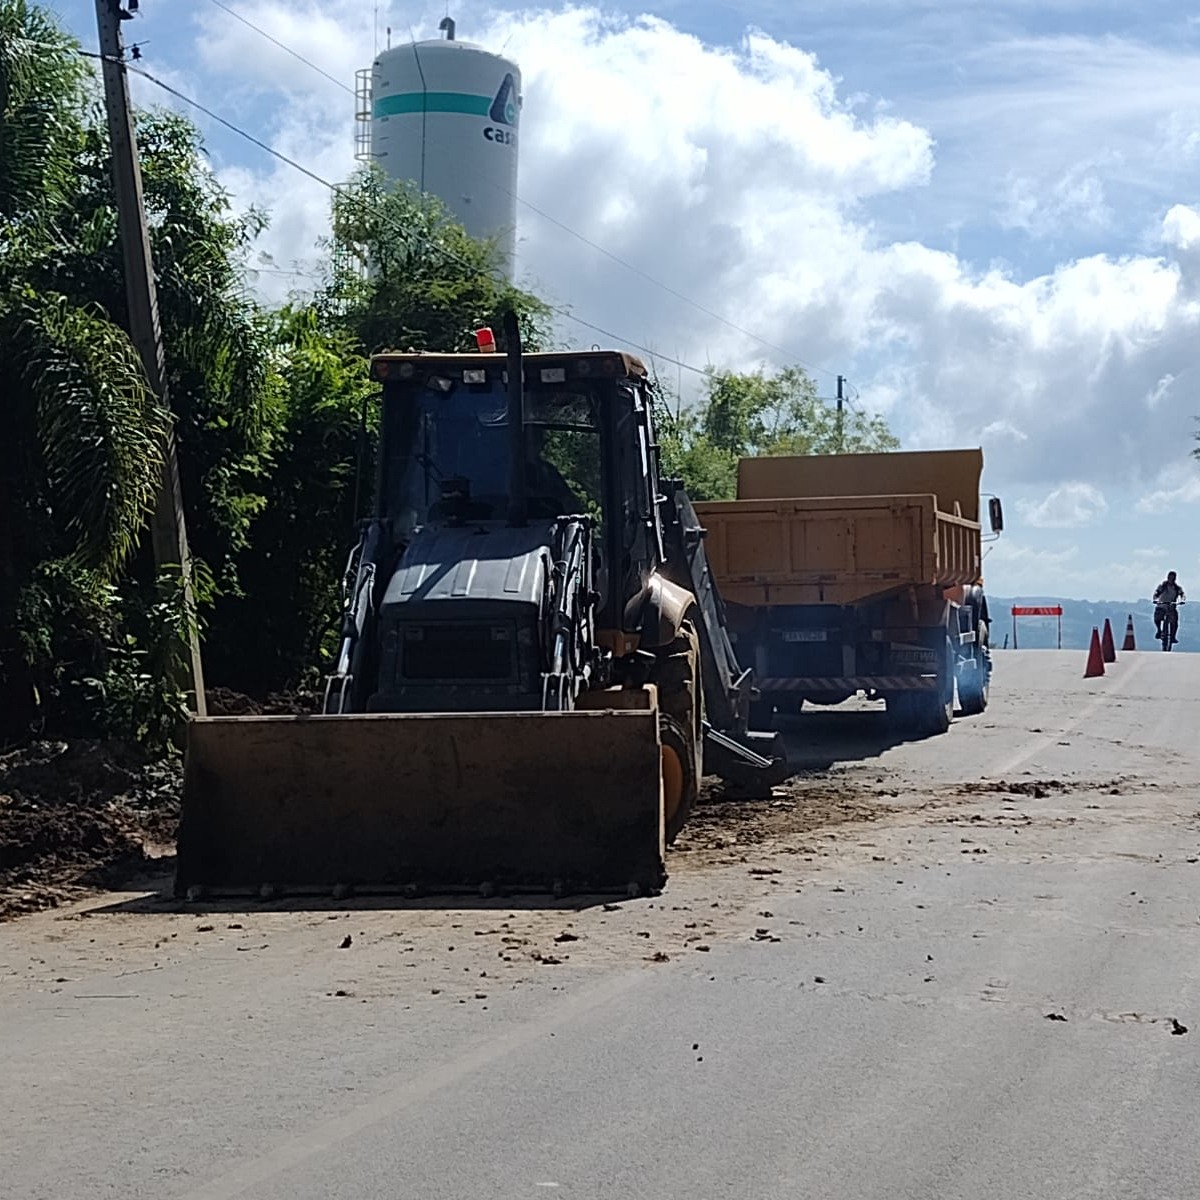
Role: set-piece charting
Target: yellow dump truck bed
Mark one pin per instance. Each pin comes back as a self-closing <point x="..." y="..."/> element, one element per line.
<point x="841" y="529"/>
<point x="836" y="550"/>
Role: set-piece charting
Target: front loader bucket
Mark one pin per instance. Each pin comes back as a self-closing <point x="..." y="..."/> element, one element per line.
<point x="423" y="802"/>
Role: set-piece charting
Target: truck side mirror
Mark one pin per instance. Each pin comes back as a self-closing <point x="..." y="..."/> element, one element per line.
<point x="996" y="514"/>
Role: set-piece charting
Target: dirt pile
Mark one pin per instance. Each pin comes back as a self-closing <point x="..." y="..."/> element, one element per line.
<point x="79" y="814"/>
<point x="721" y="824"/>
<point x="225" y="702"/>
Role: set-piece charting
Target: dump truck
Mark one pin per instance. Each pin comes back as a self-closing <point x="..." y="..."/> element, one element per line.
<point x="858" y="573"/>
<point x="534" y="669"/>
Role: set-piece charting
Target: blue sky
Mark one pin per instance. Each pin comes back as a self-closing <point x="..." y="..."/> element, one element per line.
<point x="986" y="215"/>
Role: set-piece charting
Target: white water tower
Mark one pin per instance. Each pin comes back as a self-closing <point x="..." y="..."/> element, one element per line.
<point x="444" y="114"/>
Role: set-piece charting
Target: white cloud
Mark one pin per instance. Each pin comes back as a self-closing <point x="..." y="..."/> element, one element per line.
<point x="1159" y="393"/>
<point x="1068" y="506"/>
<point x="337" y="40"/>
<point x="1015" y="568"/>
<point x="1002" y="429"/>
<point x="1075" y="200"/>
<point x="1181" y="236"/>
<point x="1180" y="486"/>
<point x="741" y="177"/>
<point x="1180" y="134"/>
<point x="1181" y="227"/>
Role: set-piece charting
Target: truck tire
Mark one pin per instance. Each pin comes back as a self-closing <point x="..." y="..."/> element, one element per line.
<point x="927" y="713"/>
<point x="681" y="726"/>
<point x="973" y="685"/>
<point x="899" y="711"/>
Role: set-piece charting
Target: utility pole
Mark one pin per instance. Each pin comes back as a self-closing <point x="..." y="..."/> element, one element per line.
<point x="841" y="418"/>
<point x="167" y="527"/>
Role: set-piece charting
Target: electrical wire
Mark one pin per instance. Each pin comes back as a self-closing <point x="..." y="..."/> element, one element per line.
<point x="407" y="235"/>
<point x="665" y="287"/>
<point x="641" y="274"/>
<point x="237" y="16"/>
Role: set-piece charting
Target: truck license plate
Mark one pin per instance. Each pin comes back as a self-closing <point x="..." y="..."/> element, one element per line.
<point x="804" y="635"/>
<point x="913" y="657"/>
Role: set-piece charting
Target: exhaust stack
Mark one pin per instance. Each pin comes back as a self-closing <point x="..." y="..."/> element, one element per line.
<point x="518" y="507"/>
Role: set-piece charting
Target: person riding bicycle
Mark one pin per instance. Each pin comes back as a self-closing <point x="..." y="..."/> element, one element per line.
<point x="1167" y="593"/>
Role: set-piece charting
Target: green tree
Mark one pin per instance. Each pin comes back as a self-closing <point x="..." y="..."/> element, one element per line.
<point x="81" y="454"/>
<point x="82" y="431"/>
<point x="708" y="471"/>
<point x="221" y="384"/>
<point x="405" y="276"/>
<point x="754" y="414"/>
<point x="270" y="634"/>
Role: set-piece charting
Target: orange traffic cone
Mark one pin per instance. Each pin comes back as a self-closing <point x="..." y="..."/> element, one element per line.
<point x="1095" y="662"/>
<point x="1107" y="645"/>
<point x="1129" y="643"/>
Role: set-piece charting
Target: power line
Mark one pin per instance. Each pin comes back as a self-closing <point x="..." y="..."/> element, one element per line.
<point x="850" y="400"/>
<point x="641" y="274"/>
<point x="208" y="112"/>
<point x="666" y="287"/>
<point x="287" y="49"/>
<point x="564" y="313"/>
<point x="406" y="234"/>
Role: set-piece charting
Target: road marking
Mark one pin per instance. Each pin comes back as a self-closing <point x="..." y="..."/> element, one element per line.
<point x="404" y="1092"/>
<point x="1033" y="749"/>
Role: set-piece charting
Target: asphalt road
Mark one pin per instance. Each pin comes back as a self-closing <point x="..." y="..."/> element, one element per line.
<point x="973" y="994"/>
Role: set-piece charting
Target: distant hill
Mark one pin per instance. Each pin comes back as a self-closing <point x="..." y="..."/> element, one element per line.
<point x="1080" y="616"/>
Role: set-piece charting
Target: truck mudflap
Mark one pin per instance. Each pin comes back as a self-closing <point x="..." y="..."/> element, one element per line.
<point x="423" y="803"/>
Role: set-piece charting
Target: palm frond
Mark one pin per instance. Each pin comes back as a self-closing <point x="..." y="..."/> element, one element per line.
<point x="43" y="89"/>
<point x="101" y="430"/>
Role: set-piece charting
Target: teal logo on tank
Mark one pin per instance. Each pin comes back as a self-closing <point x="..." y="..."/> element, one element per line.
<point x="504" y="108"/>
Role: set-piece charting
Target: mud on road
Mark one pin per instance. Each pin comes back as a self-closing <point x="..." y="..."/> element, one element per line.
<point x="80" y="816"/>
<point x="85" y="816"/>
<point x="725" y="829"/>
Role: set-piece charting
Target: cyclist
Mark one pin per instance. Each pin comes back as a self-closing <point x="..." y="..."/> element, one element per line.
<point x="1166" y="595"/>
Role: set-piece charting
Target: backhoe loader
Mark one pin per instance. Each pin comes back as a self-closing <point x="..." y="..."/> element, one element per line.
<point x="533" y="671"/>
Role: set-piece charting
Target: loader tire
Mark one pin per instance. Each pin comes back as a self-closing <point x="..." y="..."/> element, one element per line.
<point x="681" y="728"/>
<point x="681" y="786"/>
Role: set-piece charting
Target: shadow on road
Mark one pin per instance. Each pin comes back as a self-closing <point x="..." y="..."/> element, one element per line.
<point x="156" y="895"/>
<point x="817" y="740"/>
